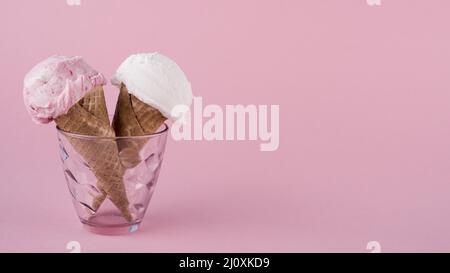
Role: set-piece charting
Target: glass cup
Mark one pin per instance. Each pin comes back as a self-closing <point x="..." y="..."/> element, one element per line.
<point x="140" y="162"/>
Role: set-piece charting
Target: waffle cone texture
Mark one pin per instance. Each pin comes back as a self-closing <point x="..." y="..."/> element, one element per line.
<point x="90" y="117"/>
<point x="134" y="118"/>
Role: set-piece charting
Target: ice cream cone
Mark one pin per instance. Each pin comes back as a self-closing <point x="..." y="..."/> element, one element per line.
<point x="90" y="117"/>
<point x="151" y="86"/>
<point x="134" y="118"/>
<point x="94" y="102"/>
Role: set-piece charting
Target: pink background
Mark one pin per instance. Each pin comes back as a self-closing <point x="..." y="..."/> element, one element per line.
<point x="364" y="95"/>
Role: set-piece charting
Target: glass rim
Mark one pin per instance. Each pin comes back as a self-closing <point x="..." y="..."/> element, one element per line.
<point x="157" y="133"/>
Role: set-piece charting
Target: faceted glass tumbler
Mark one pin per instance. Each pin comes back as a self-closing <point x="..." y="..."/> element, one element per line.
<point x="141" y="158"/>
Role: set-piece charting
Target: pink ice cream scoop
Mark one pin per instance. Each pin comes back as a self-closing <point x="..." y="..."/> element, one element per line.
<point x="54" y="85"/>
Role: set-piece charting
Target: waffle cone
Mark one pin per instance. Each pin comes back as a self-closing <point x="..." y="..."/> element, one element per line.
<point x="134" y="118"/>
<point x="90" y="117"/>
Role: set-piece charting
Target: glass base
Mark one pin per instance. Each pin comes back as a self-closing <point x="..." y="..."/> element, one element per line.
<point x="109" y="225"/>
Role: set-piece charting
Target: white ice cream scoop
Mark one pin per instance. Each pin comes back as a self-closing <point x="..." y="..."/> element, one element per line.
<point x="157" y="81"/>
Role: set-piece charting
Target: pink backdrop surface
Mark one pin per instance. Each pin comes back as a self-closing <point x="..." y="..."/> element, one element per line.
<point x="364" y="95"/>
